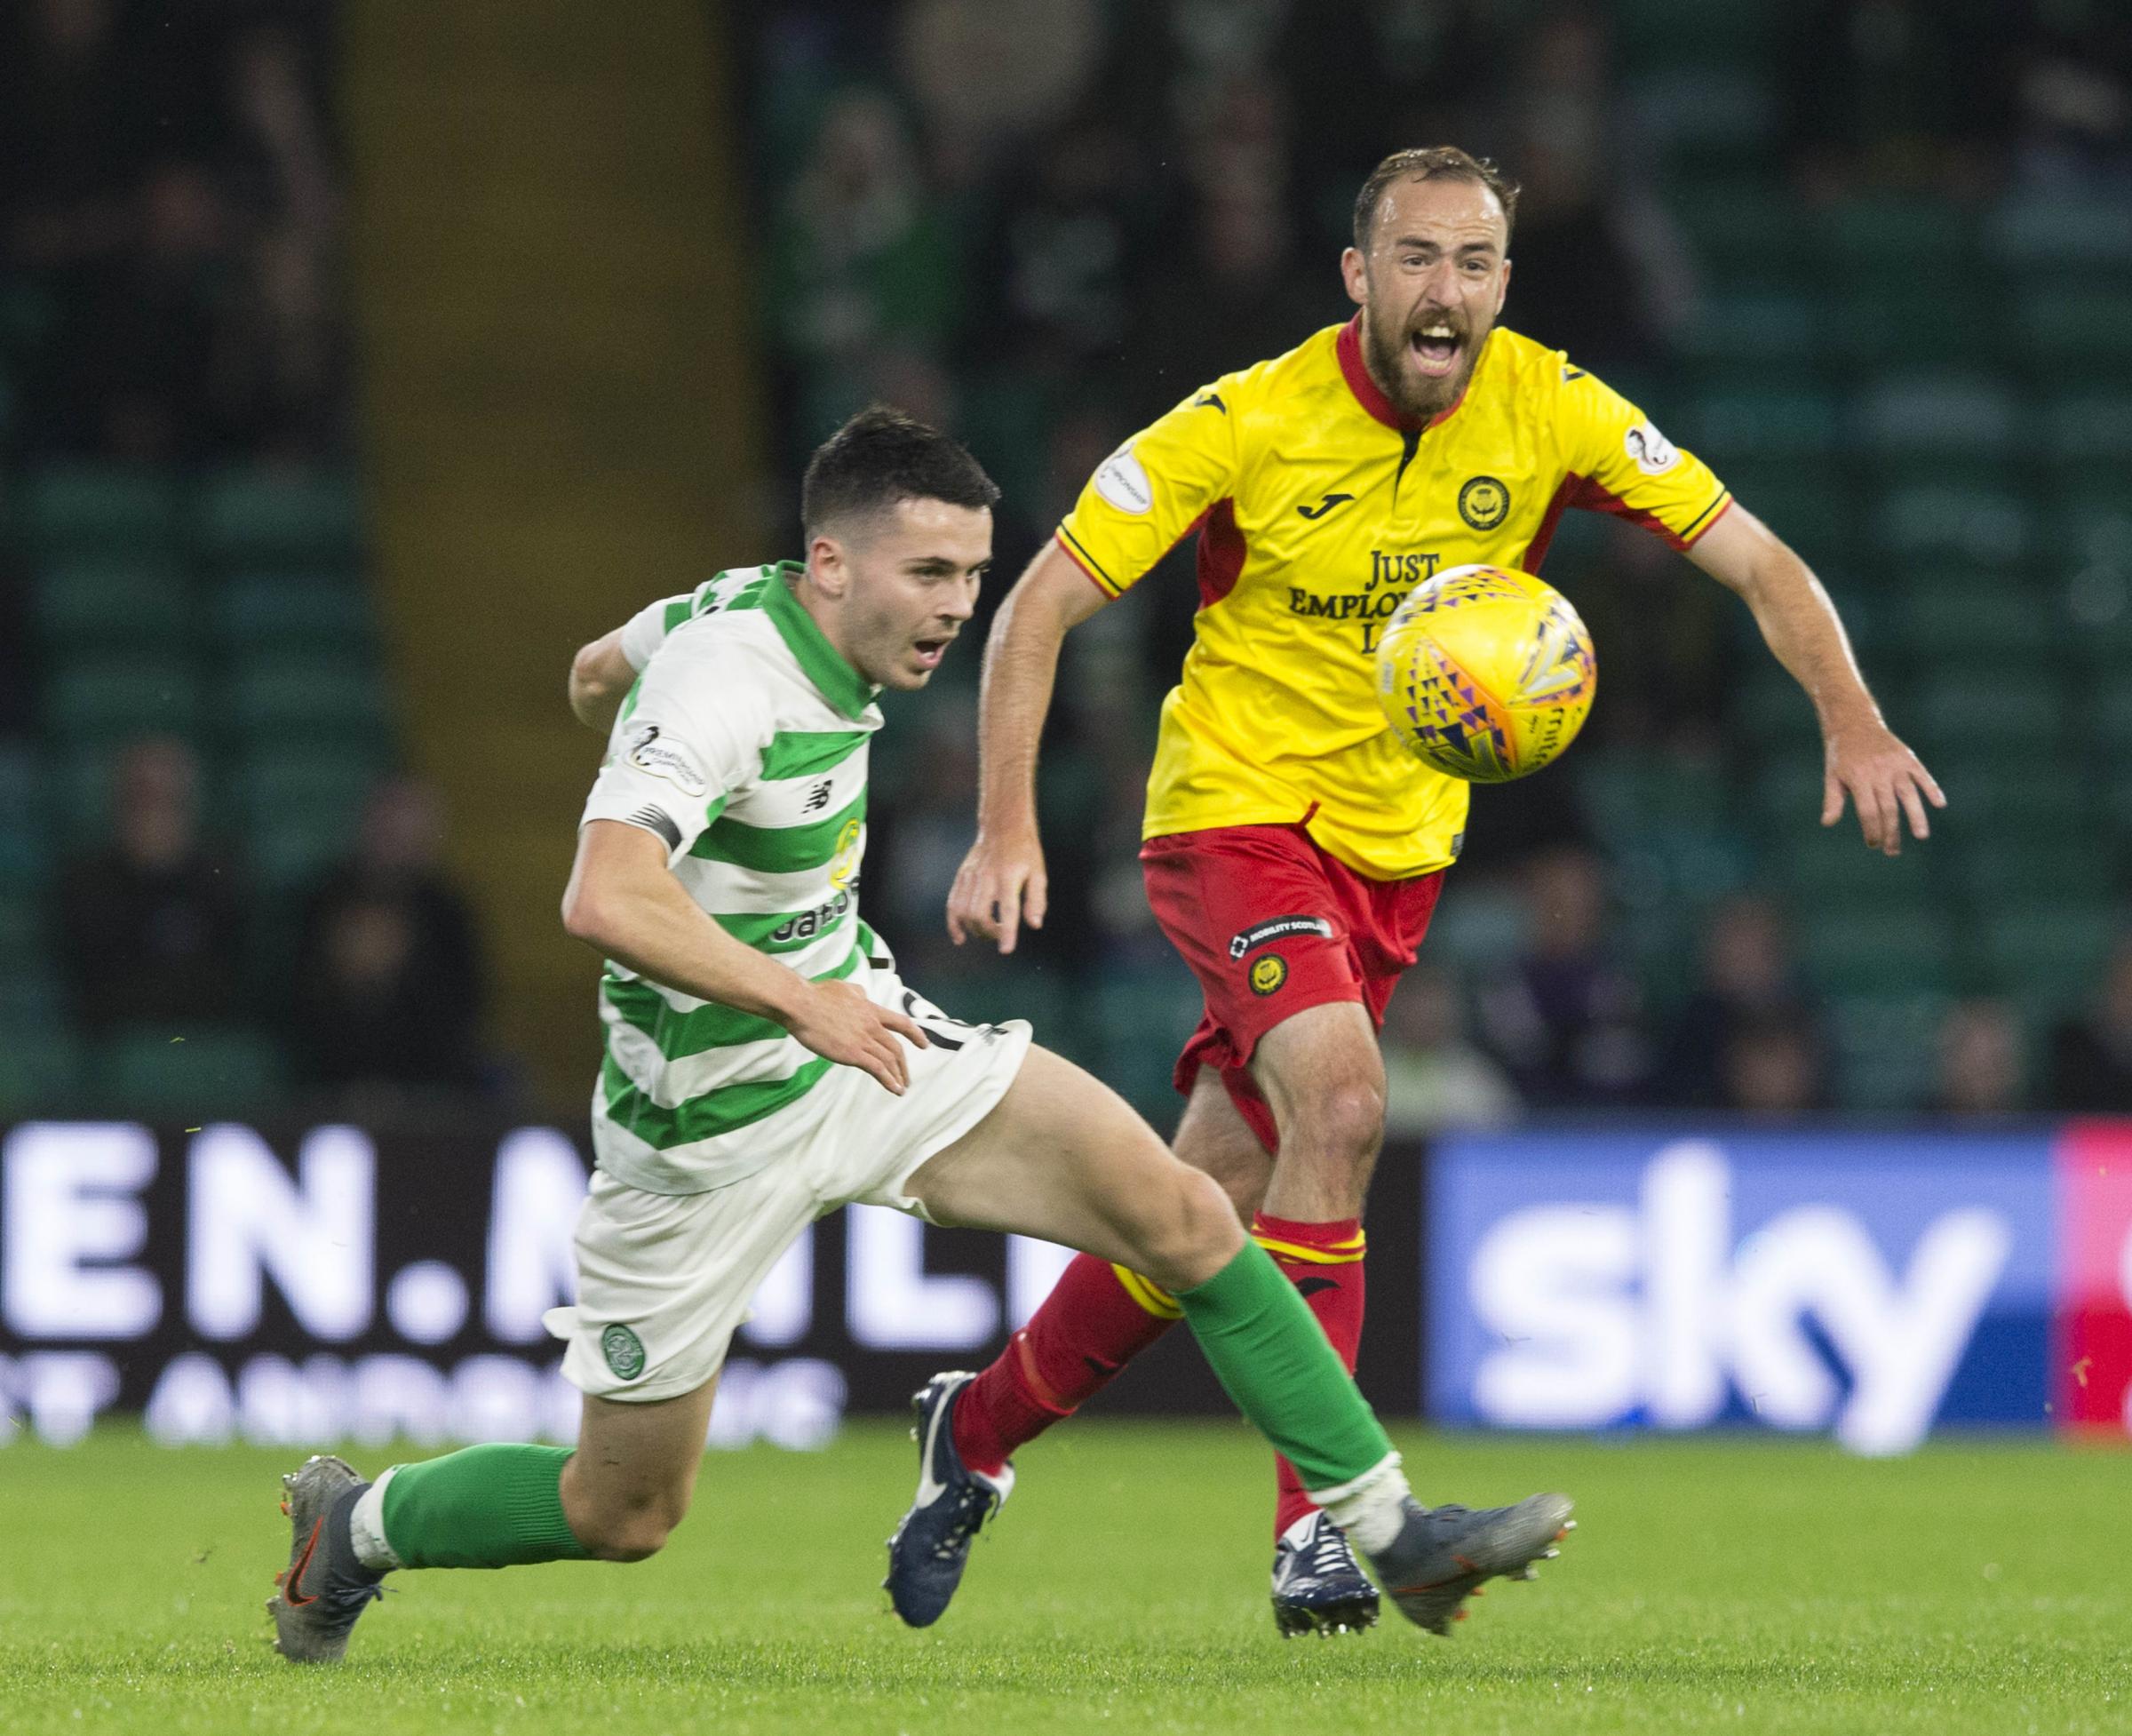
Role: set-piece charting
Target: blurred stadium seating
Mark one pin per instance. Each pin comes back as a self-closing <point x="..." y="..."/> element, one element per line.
<point x="1927" y="387"/>
<point x="227" y="609"/>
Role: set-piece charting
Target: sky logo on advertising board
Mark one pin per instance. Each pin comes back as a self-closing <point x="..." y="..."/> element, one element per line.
<point x="1867" y="1286"/>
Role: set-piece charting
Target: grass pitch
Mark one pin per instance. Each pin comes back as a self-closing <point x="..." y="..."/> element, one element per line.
<point x="1730" y="1586"/>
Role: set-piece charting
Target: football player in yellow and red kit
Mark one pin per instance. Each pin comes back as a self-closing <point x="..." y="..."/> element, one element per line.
<point x="1293" y="851"/>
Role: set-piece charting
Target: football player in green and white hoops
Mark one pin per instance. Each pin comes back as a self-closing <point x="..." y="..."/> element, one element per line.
<point x="765" y="1064"/>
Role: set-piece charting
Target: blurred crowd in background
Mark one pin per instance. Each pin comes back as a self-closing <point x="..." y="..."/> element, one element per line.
<point x="176" y="416"/>
<point x="173" y="241"/>
<point x="1039" y="223"/>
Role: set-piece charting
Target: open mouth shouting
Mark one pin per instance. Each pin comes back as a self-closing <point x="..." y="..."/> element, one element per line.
<point x="927" y="652"/>
<point x="1435" y="349"/>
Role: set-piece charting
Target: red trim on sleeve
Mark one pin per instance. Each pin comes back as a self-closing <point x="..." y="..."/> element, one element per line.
<point x="1222" y="552"/>
<point x="1088" y="572"/>
<point x="1536" y="551"/>
<point x="1591" y="497"/>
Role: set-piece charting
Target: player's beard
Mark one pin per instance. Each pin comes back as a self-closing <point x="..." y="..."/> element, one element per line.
<point x="1384" y="349"/>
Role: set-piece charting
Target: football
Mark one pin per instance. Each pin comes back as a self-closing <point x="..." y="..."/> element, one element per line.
<point x="1486" y="673"/>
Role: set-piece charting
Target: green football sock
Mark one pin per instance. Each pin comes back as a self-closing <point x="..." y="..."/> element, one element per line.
<point x="1273" y="1358"/>
<point x="495" y="1506"/>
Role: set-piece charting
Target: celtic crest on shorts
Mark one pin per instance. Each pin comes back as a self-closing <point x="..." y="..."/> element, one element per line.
<point x="624" y="1351"/>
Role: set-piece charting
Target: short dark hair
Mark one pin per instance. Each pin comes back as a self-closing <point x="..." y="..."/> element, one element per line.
<point x="1431" y="163"/>
<point x="881" y="456"/>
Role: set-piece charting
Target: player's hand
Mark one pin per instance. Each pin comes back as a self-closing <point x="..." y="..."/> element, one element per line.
<point x="1000" y="885"/>
<point x="1884" y="780"/>
<point x="839" y="1023"/>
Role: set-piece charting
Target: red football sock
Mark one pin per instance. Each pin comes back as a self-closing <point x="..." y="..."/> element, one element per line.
<point x="1095" y="1321"/>
<point x="1324" y="1260"/>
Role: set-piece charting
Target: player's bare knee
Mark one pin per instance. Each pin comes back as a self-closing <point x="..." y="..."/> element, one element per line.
<point x="1343" y="1123"/>
<point x="1245" y="1189"/>
<point x="1191" y="1235"/>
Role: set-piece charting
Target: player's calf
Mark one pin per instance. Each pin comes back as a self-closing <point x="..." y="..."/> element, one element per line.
<point x="618" y="1519"/>
<point x="626" y="1533"/>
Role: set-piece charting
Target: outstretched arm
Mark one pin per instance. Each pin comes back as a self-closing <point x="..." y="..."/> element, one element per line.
<point x="603" y="672"/>
<point x="1866" y="760"/>
<point x="600" y="675"/>
<point x="1002" y="883"/>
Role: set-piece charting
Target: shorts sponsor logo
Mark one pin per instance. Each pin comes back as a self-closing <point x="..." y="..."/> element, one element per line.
<point x="1275" y="928"/>
<point x="1120" y="480"/>
<point x="624" y="1351"/>
<point x="1268" y="973"/>
<point x="1654" y="453"/>
<point x="1484" y="502"/>
<point x="663" y="757"/>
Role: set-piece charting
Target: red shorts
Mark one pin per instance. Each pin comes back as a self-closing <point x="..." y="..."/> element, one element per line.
<point x="1271" y="924"/>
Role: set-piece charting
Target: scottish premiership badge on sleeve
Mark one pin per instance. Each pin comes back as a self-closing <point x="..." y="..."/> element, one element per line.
<point x="648" y="748"/>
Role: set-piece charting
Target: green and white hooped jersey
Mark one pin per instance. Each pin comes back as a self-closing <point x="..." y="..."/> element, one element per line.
<point x="743" y="747"/>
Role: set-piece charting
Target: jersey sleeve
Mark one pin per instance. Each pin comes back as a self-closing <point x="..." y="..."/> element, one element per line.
<point x="643" y="632"/>
<point x="1154" y="489"/>
<point x="1623" y="465"/>
<point x="696" y="731"/>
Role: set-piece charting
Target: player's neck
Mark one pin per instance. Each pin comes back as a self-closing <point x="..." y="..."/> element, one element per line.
<point x="822" y="611"/>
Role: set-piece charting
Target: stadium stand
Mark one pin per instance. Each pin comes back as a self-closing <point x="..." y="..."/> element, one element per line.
<point x="1902" y="331"/>
<point x="201" y="581"/>
<point x="1907" y="343"/>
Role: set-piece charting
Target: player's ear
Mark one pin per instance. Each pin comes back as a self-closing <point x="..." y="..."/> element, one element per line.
<point x="1354" y="271"/>
<point x="826" y="565"/>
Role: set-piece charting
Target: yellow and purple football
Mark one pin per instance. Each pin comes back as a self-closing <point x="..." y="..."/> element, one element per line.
<point x="1486" y="673"/>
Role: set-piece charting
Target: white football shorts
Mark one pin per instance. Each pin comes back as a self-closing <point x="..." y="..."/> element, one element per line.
<point x="664" y="1280"/>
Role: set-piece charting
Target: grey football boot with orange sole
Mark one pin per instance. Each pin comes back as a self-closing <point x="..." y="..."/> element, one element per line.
<point x="1443" y="1554"/>
<point x="325" y="1588"/>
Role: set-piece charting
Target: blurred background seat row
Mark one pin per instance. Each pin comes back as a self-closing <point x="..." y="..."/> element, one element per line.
<point x="1857" y="255"/>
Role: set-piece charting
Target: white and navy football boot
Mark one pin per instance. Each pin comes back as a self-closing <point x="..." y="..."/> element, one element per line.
<point x="932" y="1546"/>
<point x="1442" y="1553"/>
<point x="325" y="1588"/>
<point x="1318" y="1587"/>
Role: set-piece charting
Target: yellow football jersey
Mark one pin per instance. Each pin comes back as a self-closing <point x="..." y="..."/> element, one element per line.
<point x="1318" y="509"/>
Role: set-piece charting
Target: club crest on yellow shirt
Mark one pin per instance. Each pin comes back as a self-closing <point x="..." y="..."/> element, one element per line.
<point x="1483" y="503"/>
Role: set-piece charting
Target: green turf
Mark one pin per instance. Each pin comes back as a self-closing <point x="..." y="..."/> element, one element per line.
<point x="1727" y="1585"/>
